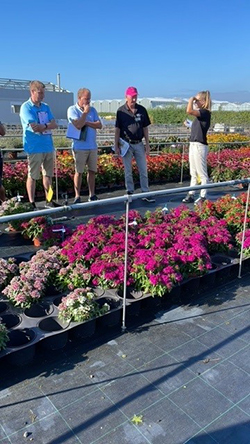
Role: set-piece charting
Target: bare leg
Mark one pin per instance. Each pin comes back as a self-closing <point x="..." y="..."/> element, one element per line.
<point x="91" y="182"/>
<point x="31" y="188"/>
<point x="77" y="184"/>
<point x="46" y="184"/>
<point x="2" y="194"/>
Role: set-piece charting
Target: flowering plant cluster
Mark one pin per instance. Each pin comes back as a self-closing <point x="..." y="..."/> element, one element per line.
<point x="81" y="305"/>
<point x="228" y="208"/>
<point x="42" y="228"/>
<point x="224" y="164"/>
<point x="246" y="244"/>
<point x="14" y="206"/>
<point x="229" y="164"/>
<point x="162" y="249"/>
<point x="3" y="336"/>
<point x="35" y="276"/>
<point x="223" y="140"/>
<point x="8" y="269"/>
<point x="35" y="227"/>
<point x="73" y="276"/>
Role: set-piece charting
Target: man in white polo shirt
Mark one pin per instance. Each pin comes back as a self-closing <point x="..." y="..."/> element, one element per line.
<point x="85" y="118"/>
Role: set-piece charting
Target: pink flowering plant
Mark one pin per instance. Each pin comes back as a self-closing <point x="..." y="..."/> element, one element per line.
<point x="8" y="269"/>
<point x="190" y="254"/>
<point x="162" y="249"/>
<point x="153" y="273"/>
<point x="35" y="276"/>
<point x="42" y="228"/>
<point x="35" y="227"/>
<point x="81" y="305"/>
<point x="13" y="206"/>
<point x="108" y="271"/>
<point x="246" y="245"/>
<point x="217" y="235"/>
<point x="72" y="276"/>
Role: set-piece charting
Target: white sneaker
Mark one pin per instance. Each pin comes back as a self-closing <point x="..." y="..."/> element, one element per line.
<point x="200" y="200"/>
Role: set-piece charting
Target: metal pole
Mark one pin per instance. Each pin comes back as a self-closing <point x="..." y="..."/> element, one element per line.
<point x="56" y="175"/>
<point x="244" y="231"/>
<point x="125" y="267"/>
<point x="182" y="163"/>
<point x="219" y="162"/>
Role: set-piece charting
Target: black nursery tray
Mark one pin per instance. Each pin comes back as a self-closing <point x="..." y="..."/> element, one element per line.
<point x="40" y="322"/>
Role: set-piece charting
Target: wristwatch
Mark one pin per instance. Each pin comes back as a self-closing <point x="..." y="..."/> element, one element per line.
<point x="46" y="126"/>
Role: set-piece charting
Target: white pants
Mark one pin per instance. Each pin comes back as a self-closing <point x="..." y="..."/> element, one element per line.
<point x="198" y="165"/>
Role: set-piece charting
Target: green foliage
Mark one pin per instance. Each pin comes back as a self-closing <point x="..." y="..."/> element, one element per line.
<point x="11" y="142"/>
<point x="102" y="114"/>
<point x="239" y="118"/>
<point x="172" y="116"/>
<point x="3" y="336"/>
<point x="60" y="141"/>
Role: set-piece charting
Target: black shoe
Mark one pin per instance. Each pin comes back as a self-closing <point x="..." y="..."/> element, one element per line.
<point x="92" y="198"/>
<point x="148" y="199"/>
<point x="130" y="193"/>
<point x="188" y="199"/>
<point x="51" y="204"/>
<point x="33" y="205"/>
<point x="77" y="200"/>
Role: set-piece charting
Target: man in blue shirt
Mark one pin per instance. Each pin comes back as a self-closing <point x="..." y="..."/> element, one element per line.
<point x="37" y="122"/>
<point x="85" y="118"/>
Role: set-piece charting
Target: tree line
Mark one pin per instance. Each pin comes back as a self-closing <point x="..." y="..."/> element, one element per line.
<point x="175" y="116"/>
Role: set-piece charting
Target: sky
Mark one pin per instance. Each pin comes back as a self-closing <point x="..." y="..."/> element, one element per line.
<point x="165" y="48"/>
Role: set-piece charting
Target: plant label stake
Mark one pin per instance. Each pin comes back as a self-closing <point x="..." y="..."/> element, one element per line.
<point x="62" y="230"/>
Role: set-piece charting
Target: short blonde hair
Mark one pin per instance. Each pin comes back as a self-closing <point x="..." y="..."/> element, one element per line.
<point x="81" y="91"/>
<point x="205" y="95"/>
<point x="35" y="84"/>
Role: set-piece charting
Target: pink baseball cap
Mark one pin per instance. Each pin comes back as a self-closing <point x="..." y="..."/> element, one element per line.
<point x="131" y="91"/>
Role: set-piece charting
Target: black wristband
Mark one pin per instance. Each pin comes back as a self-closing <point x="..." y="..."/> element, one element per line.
<point x="46" y="126"/>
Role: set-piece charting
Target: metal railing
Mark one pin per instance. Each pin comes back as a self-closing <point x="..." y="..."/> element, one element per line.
<point x="128" y="199"/>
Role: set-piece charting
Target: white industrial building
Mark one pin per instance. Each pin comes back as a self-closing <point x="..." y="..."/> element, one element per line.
<point x="14" y="92"/>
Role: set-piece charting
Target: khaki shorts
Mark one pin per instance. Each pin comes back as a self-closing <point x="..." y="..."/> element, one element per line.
<point x="83" y="158"/>
<point x="38" y="161"/>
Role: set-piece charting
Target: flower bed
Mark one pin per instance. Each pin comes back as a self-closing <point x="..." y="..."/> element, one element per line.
<point x="226" y="164"/>
<point x="163" y="250"/>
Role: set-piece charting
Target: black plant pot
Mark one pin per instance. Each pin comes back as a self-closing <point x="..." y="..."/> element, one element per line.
<point x="20" y="337"/>
<point x="39" y="310"/>
<point x="151" y="303"/>
<point x="208" y="280"/>
<point x="173" y="297"/>
<point x="52" y="325"/>
<point x="10" y="320"/>
<point x="113" y="317"/>
<point x="189" y="290"/>
<point x="3" y="307"/>
<point x="84" y="330"/>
